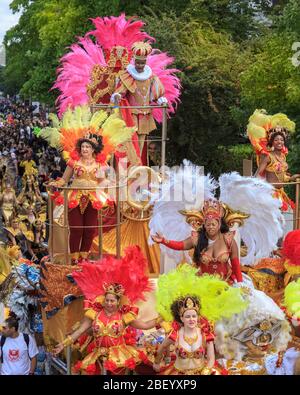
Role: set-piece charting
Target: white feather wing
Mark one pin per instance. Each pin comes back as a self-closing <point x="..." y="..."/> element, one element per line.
<point x="184" y="188"/>
<point x="253" y="196"/>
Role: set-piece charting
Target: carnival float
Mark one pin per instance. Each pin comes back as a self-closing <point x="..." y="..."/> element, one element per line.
<point x="148" y="269"/>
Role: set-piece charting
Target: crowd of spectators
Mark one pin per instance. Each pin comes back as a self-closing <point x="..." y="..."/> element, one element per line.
<point x="18" y="142"/>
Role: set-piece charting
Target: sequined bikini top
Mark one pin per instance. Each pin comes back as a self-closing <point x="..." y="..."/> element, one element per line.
<point x="276" y="165"/>
<point x="224" y="256"/>
<point x="85" y="176"/>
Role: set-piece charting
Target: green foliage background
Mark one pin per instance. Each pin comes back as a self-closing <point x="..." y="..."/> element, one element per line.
<point x="233" y="56"/>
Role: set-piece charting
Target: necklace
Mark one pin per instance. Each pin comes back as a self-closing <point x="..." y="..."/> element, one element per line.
<point x="87" y="162"/>
<point x="280" y="157"/>
<point x="190" y="340"/>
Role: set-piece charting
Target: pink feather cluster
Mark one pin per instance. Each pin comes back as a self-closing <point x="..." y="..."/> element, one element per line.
<point x="128" y="271"/>
<point x="112" y="31"/>
<point x="76" y="68"/>
<point x="75" y="72"/>
<point x="171" y="83"/>
<point x="291" y="247"/>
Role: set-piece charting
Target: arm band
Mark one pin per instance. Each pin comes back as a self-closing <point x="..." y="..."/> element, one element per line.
<point x="236" y="269"/>
<point x="174" y="245"/>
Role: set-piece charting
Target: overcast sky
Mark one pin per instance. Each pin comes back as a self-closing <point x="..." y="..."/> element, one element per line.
<point x="7" y="18"/>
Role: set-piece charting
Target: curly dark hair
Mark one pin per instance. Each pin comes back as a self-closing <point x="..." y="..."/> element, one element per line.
<point x="178" y="303"/>
<point x="203" y="240"/>
<point x="274" y="134"/>
<point x="96" y="147"/>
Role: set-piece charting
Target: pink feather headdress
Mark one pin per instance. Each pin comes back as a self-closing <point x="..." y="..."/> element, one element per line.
<point x="76" y="71"/>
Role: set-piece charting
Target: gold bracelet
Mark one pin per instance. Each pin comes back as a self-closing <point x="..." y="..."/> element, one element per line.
<point x="158" y="320"/>
<point x="68" y="341"/>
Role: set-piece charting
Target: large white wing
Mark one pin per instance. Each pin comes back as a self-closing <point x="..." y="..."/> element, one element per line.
<point x="253" y="196"/>
<point x="184" y="188"/>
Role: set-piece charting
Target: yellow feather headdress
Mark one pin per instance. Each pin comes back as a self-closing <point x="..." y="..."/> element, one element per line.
<point x="262" y="126"/>
<point x="81" y="123"/>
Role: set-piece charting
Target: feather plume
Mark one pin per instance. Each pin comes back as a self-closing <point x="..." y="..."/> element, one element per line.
<point x="75" y="73"/>
<point x="217" y="298"/>
<point x="128" y="271"/>
<point x="159" y="63"/>
<point x="291" y="247"/>
<point x="185" y="188"/>
<point x="253" y="196"/>
<point x="112" y="31"/>
<point x="292" y="298"/>
<point x="98" y="118"/>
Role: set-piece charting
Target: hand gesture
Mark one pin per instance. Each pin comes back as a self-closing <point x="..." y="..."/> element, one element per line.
<point x="156" y="367"/>
<point x="116" y="98"/>
<point x="58" y="349"/>
<point x="158" y="238"/>
<point x="294" y="177"/>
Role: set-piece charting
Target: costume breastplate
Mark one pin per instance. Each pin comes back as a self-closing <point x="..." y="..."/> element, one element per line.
<point x="85" y="176"/>
<point x="108" y="326"/>
<point x="276" y="166"/>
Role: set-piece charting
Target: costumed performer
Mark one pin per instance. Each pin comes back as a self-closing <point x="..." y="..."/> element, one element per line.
<point x="268" y="135"/>
<point x="8" y="203"/>
<point x="141" y="87"/>
<point x="111" y="286"/>
<point x="89" y="140"/>
<point x="244" y="201"/>
<point x="193" y="303"/>
<point x="103" y="61"/>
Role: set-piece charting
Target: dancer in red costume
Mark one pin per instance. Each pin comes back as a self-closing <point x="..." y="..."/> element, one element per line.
<point x="186" y="215"/>
<point x="215" y="250"/>
<point x="193" y="303"/>
<point x="111" y="287"/>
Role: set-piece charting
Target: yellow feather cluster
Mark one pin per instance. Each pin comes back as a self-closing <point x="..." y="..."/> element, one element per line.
<point x="75" y="124"/>
<point x="98" y="118"/>
<point x="114" y="128"/>
<point x="217" y="298"/>
<point x="292" y="298"/>
<point x="282" y="120"/>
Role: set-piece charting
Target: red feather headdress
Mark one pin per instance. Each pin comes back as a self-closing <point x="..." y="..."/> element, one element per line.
<point x="123" y="277"/>
<point x="291" y="251"/>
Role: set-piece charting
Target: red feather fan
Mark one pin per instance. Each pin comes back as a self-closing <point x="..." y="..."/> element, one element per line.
<point x="128" y="271"/>
<point x="291" y="247"/>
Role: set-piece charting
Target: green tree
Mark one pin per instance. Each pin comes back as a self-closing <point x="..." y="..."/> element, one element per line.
<point x="210" y="64"/>
<point x="272" y="81"/>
